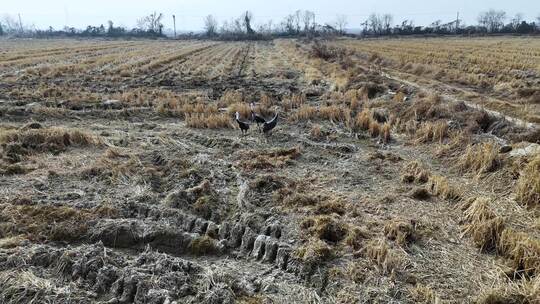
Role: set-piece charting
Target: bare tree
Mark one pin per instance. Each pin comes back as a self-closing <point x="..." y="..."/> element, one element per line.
<point x="210" y="25"/>
<point x="10" y="24"/>
<point x="288" y="24"/>
<point x="297" y="20"/>
<point x="407" y="26"/>
<point x="341" y="23"/>
<point x="516" y="21"/>
<point x="308" y="19"/>
<point x="375" y="24"/>
<point x="232" y="27"/>
<point x="224" y="27"/>
<point x="237" y="26"/>
<point x="267" y="28"/>
<point x="247" y="18"/>
<point x="387" y="22"/>
<point x="151" y="23"/>
<point x="493" y="20"/>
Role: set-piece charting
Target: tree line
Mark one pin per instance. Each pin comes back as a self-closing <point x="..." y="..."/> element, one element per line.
<point x="150" y="26"/>
<point x="301" y="23"/>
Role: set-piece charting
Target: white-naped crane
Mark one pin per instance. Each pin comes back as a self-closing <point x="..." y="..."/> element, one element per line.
<point x="256" y="118"/>
<point x="244" y="126"/>
<point x="270" y="125"/>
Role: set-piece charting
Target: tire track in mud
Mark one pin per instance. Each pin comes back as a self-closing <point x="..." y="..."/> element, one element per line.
<point x="119" y="246"/>
<point x="235" y="238"/>
<point x="243" y="60"/>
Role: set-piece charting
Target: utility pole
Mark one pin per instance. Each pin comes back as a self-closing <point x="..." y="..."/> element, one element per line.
<point x="457" y="22"/>
<point x="20" y="24"/>
<point x="174" y="22"/>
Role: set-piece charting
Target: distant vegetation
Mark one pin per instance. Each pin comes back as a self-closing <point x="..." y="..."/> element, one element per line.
<point x="299" y="24"/>
<point x="150" y="26"/>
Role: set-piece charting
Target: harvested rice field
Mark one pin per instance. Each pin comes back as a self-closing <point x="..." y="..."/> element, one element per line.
<point x="387" y="171"/>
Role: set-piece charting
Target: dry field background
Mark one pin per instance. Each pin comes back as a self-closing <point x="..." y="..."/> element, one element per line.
<point x="498" y="73"/>
<point x="124" y="178"/>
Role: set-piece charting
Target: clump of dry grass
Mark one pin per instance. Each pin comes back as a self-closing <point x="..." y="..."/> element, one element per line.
<point x="301" y="200"/>
<point x="354" y="271"/>
<point x="242" y="108"/>
<point x="414" y="172"/>
<point x="385" y="133"/>
<point x="387" y="259"/>
<point x="48" y="139"/>
<point x="293" y="101"/>
<point x="522" y="250"/>
<point x="424" y="294"/>
<point x="125" y="73"/>
<point x="47" y="222"/>
<point x="432" y="132"/>
<point x="374" y="128"/>
<point x="528" y="185"/>
<point x="327" y="52"/>
<point x="333" y="113"/>
<point x="205" y="206"/>
<point x="440" y="186"/>
<point x="354" y="99"/>
<point x="489" y="232"/>
<point x="363" y="119"/>
<point x="314" y="251"/>
<point x="113" y="164"/>
<point x="512" y="292"/>
<point x="366" y="121"/>
<point x="267" y="160"/>
<point x="484" y="226"/>
<point x="482" y="158"/>
<point x="399" y="97"/>
<point x="316" y="132"/>
<point x="356" y="236"/>
<point x="203" y="245"/>
<point x="325" y="227"/>
<point x="184" y="105"/>
<point x="266" y="101"/>
<point x="20" y="287"/>
<point x="454" y="146"/>
<point x="400" y="231"/>
<point x="305" y="112"/>
<point x="208" y="121"/>
<point x="331" y="206"/>
<point x="13" y="169"/>
<point x="231" y="97"/>
<point x="11" y="242"/>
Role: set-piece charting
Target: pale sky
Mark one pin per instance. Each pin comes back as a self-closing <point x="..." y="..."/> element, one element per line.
<point x="190" y="13"/>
